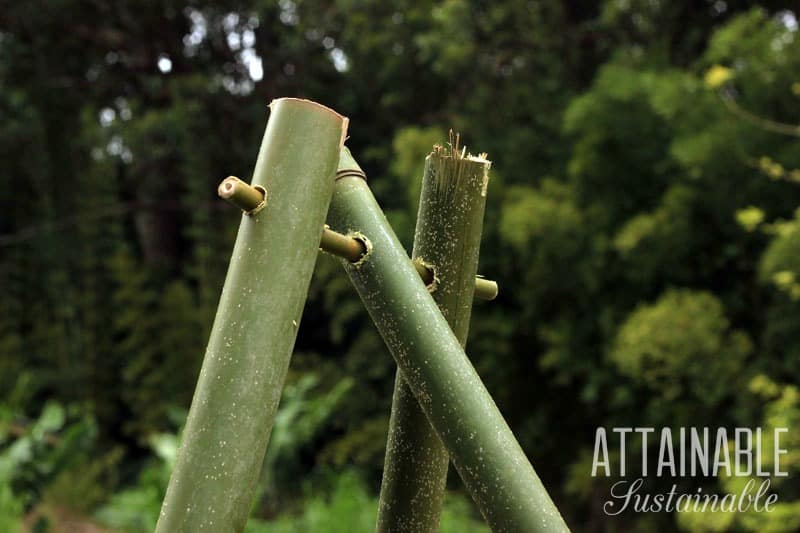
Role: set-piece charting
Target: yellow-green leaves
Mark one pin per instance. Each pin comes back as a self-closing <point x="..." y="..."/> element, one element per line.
<point x="546" y="212"/>
<point x="781" y="260"/>
<point x="750" y="217"/>
<point x="776" y="171"/>
<point x="681" y="346"/>
<point x="717" y="76"/>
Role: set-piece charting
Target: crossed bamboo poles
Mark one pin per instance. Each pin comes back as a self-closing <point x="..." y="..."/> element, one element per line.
<point x="441" y="410"/>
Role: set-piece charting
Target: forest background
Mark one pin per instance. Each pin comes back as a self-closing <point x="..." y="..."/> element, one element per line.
<point x="642" y="222"/>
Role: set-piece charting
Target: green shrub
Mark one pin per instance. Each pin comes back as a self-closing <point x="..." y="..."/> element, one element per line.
<point x="136" y="509"/>
<point x="682" y="346"/>
<point x="349" y="508"/>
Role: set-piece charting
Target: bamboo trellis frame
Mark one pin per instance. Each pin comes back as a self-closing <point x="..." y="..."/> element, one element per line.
<point x="304" y="174"/>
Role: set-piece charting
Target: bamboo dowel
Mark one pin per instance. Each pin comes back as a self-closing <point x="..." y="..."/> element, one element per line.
<point x="448" y="234"/>
<point x="233" y="410"/>
<point x="485" y="453"/>
<point x="248" y="198"/>
<point x="486" y="289"/>
<point x="342" y="246"/>
<point x="244" y="196"/>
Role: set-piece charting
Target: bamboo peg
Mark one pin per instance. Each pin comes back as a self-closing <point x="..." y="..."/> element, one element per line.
<point x="252" y="199"/>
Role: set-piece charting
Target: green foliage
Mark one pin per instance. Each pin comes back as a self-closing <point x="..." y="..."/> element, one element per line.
<point x="35" y="454"/>
<point x="158" y="338"/>
<point x="350" y="508"/>
<point x="682" y="345"/>
<point x="767" y="43"/>
<point x="620" y="112"/>
<point x="347" y="508"/>
<point x="640" y="221"/>
<point x="449" y="44"/>
<point x="458" y="516"/>
<point x="717" y="76"/>
<point x="661" y="233"/>
<point x="782" y="410"/>
<point x="750" y="217"/>
<point x="136" y="509"/>
<point x="411" y="146"/>
<point x="782" y="255"/>
<point x="10" y="510"/>
<point x="300" y="418"/>
<point x="86" y="484"/>
<point x="547" y="213"/>
<point x="361" y="445"/>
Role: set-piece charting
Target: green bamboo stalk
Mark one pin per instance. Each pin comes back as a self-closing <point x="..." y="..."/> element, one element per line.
<point x="484" y="451"/>
<point x="447" y="237"/>
<point x="240" y="383"/>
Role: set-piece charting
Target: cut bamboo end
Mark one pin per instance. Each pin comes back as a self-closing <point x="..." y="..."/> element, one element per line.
<point x="319" y="107"/>
<point x="486" y="289"/>
<point x="248" y="198"/>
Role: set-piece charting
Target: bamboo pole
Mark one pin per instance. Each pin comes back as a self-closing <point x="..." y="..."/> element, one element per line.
<point x="240" y="383"/>
<point x="484" y="451"/>
<point x="251" y="199"/>
<point x="447" y="237"/>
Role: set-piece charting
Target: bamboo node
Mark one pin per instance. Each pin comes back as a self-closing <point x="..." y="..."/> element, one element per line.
<point x="351" y="173"/>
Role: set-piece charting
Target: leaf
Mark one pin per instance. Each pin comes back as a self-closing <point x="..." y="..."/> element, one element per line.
<point x="166" y="447"/>
<point x="717" y="76"/>
<point x="51" y="419"/>
<point x="750" y="217"/>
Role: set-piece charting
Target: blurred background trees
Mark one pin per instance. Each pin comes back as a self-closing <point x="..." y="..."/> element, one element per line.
<point x="641" y="221"/>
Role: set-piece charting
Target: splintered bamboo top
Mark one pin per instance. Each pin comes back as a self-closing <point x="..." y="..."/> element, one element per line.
<point x="454" y="150"/>
<point x="452" y="166"/>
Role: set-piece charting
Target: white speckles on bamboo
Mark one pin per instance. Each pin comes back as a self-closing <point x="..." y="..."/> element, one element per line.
<point x="452" y="396"/>
<point x="447" y="236"/>
<point x="217" y="467"/>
